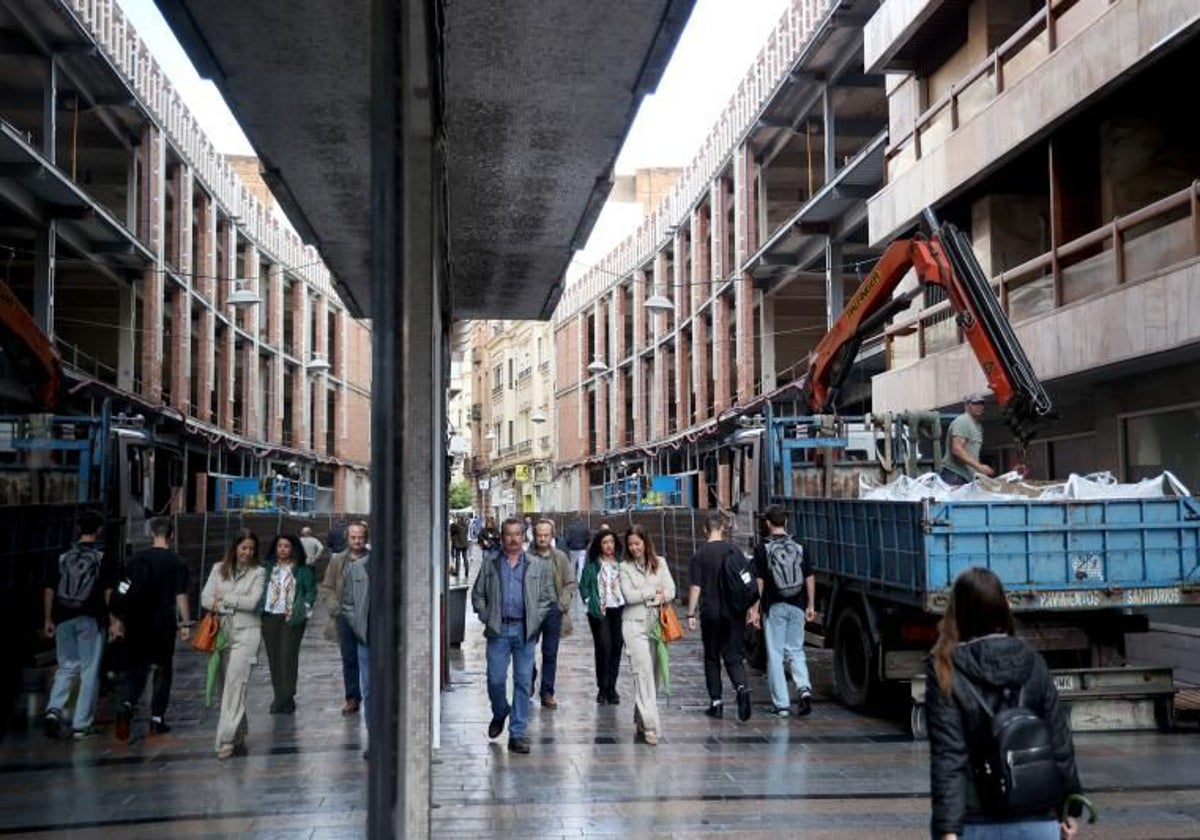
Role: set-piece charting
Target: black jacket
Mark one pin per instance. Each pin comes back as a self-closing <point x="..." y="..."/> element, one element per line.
<point x="957" y="723"/>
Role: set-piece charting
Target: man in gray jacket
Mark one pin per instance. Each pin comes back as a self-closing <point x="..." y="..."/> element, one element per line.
<point x="512" y="596"/>
<point x="557" y="623"/>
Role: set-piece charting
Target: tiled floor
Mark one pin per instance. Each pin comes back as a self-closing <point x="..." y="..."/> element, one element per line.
<point x="834" y="774"/>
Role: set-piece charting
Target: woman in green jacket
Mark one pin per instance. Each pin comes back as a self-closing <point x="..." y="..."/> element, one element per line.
<point x="600" y="586"/>
<point x="287" y="602"/>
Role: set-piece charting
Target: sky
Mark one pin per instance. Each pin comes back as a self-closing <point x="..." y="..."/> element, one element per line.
<point x="716" y="49"/>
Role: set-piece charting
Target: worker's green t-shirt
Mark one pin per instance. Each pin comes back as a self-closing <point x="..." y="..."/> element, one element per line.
<point x="964" y="426"/>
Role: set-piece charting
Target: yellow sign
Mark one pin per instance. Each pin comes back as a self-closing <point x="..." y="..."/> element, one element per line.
<point x="521" y="472"/>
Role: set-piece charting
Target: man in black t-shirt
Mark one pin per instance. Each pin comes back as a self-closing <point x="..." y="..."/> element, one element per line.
<point x="153" y="608"/>
<point x="784" y="615"/>
<point x="75" y="604"/>
<point x="721" y="631"/>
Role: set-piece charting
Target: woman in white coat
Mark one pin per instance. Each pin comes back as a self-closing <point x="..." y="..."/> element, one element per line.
<point x="233" y="591"/>
<point x="646" y="584"/>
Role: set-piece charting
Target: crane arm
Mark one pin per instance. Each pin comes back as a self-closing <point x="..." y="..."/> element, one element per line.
<point x="26" y="347"/>
<point x="944" y="259"/>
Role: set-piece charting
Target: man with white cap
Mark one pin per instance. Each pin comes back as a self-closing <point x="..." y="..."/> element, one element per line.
<point x="964" y="440"/>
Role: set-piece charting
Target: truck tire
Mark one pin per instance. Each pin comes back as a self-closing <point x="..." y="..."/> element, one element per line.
<point x="853" y="660"/>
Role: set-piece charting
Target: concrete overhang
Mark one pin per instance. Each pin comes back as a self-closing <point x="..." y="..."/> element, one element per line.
<point x="537" y="102"/>
<point x="901" y="31"/>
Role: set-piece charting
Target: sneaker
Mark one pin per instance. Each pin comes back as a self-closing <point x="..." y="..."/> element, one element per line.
<point x="350" y="707"/>
<point x="804" y="703"/>
<point x="601" y="699"/>
<point x="743" y="703"/>
<point x="716" y="710"/>
<point x="780" y="712"/>
<point x="53" y="724"/>
<point x="518" y="745"/>
<point x="83" y="734"/>
<point x="614" y="699"/>
<point x="158" y="726"/>
<point x="650" y="738"/>
<point x="497" y="724"/>
<point x="124" y="723"/>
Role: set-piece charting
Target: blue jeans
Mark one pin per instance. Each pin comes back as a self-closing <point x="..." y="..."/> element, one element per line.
<point x="1034" y="830"/>
<point x="79" y="646"/>
<point x="348" y="647"/>
<point x="551" y="633"/>
<point x="363" y="659"/>
<point x="510" y="644"/>
<point x="784" y="630"/>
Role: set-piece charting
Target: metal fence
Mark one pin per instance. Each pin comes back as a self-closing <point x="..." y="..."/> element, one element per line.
<point x="676" y="532"/>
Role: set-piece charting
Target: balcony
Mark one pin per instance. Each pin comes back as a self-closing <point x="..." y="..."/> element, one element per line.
<point x="1121" y="292"/>
<point x="1015" y="96"/>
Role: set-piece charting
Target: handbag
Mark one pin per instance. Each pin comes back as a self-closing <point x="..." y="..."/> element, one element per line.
<point x="205" y="637"/>
<point x="669" y="622"/>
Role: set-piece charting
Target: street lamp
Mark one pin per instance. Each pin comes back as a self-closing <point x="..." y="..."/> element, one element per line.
<point x="537" y="416"/>
<point x="597" y="366"/>
<point x="317" y="364"/>
<point x="243" y="297"/>
<point x="658" y="303"/>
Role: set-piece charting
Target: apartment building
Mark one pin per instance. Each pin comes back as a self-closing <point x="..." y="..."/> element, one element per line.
<point x="717" y="298"/>
<point x="165" y="274"/>
<point x="1051" y="132"/>
<point x="1056" y="134"/>
<point x="513" y="437"/>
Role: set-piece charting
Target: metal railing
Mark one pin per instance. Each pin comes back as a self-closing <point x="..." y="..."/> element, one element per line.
<point x="984" y="82"/>
<point x="1100" y="261"/>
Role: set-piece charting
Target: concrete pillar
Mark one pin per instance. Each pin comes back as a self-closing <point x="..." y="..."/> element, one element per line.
<point x="744" y="334"/>
<point x="45" y="248"/>
<point x="641" y="423"/>
<point x="206" y="271"/>
<point x="619" y="308"/>
<point x="601" y="418"/>
<point x="702" y="491"/>
<point x="683" y="378"/>
<point x="618" y="410"/>
<point x="718" y="225"/>
<point x="318" y="380"/>
<point x="126" y="364"/>
<point x="724" y="484"/>
<point x="700" y="363"/>
<point x="659" y="319"/>
<point x="766" y="331"/>
<point x="721" y="357"/>
<point x="153" y="164"/>
<point x="745" y="214"/>
<point x="301" y="420"/>
<point x="224" y="375"/>
<point x="251" y="386"/>
<point x="830" y="121"/>
<point x="701" y="272"/>
<point x="275" y="337"/>
<point x="181" y="312"/>
<point x="835" y="287"/>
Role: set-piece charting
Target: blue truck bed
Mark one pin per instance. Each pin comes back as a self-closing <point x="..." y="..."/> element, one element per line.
<point x="1050" y="555"/>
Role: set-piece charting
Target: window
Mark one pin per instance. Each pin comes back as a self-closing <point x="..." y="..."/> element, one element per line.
<point x="1163" y="440"/>
<point x="510" y="429"/>
<point x="541" y="353"/>
<point x="498" y="376"/>
<point x="510" y="373"/>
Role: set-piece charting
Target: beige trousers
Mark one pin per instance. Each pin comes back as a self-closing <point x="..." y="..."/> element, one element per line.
<point x="645" y="675"/>
<point x="240" y="657"/>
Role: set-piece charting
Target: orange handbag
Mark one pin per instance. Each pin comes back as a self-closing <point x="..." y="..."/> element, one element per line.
<point x="669" y="622"/>
<point x="205" y="637"/>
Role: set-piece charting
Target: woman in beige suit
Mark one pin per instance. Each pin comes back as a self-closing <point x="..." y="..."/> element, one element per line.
<point x="234" y="590"/>
<point x="646" y="584"/>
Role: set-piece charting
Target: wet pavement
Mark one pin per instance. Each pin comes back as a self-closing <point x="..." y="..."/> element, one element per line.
<point x="833" y="774"/>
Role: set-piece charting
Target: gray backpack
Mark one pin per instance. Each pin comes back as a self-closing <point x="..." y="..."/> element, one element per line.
<point x="78" y="571"/>
<point x="785" y="559"/>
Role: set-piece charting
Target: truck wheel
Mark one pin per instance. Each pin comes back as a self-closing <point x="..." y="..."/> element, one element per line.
<point x="853" y="660"/>
<point x="916" y="722"/>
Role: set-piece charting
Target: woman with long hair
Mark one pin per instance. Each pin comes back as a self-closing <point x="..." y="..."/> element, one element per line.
<point x="646" y="584"/>
<point x="600" y="588"/>
<point x="234" y="591"/>
<point x="289" y="593"/>
<point x="977" y="660"/>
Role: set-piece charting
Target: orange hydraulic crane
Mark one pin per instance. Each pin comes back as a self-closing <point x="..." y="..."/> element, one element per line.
<point x="945" y="259"/>
<point x="29" y="351"/>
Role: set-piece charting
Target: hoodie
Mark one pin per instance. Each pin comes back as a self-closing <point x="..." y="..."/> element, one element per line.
<point x="957" y="725"/>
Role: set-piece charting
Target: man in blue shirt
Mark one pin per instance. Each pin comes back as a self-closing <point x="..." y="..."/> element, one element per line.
<point x="512" y="596"/>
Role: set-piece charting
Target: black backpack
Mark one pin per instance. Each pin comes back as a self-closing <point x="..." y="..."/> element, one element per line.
<point x="78" y="571"/>
<point x="739" y="584"/>
<point x="785" y="561"/>
<point x="1014" y="768"/>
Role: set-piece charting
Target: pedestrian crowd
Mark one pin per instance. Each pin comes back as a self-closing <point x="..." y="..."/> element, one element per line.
<point x="1002" y="757"/>
<point x="252" y="598"/>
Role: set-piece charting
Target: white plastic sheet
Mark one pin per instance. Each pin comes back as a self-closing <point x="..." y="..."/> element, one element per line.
<point x="1100" y="485"/>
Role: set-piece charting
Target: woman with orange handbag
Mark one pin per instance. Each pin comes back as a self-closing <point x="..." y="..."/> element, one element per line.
<point x="234" y="591"/>
<point x="647" y="586"/>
